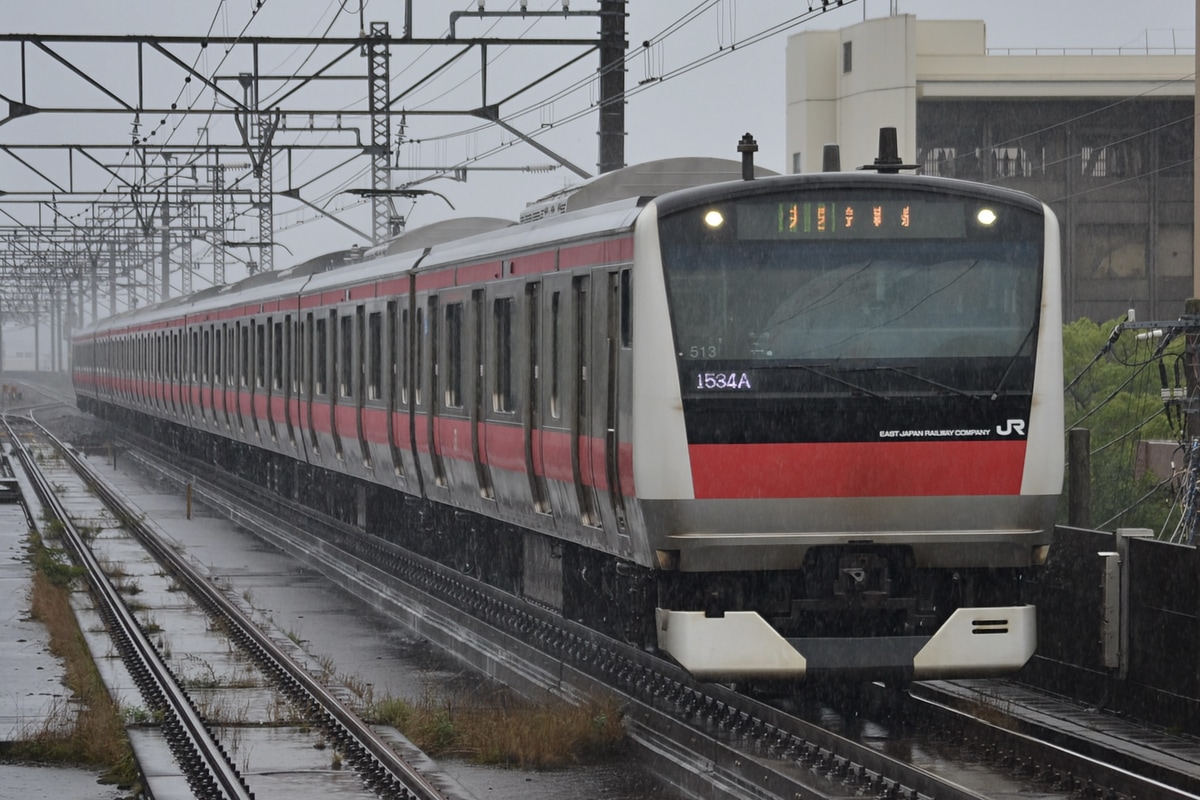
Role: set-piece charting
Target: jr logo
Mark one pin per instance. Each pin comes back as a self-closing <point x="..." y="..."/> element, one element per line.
<point x="1016" y="426"/>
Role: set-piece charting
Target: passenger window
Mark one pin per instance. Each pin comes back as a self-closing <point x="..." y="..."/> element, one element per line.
<point x="403" y="361"/>
<point x="260" y="355"/>
<point x="375" y="356"/>
<point x="218" y="370"/>
<point x="321" y="357"/>
<point x="244" y="371"/>
<point x="555" y="355"/>
<point x="626" y="309"/>
<point x="206" y="360"/>
<point x="502" y="399"/>
<point x="277" y="356"/>
<point x="454" y="364"/>
<point x="346" y="356"/>
<point x="419" y="346"/>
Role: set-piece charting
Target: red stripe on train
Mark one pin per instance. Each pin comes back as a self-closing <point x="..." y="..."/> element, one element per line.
<point x="857" y="469"/>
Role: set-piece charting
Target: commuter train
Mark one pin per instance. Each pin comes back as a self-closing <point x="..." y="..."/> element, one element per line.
<point x="778" y="428"/>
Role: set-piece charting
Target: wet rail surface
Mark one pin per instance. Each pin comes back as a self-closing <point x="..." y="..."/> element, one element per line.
<point x="208" y="770"/>
<point x="721" y="743"/>
<point x="204" y="762"/>
<point x="741" y="745"/>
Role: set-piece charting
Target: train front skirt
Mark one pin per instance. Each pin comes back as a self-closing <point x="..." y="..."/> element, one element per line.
<point x="742" y="646"/>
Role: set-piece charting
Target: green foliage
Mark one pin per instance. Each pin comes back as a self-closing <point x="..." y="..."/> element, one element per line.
<point x="56" y="566"/>
<point x="1116" y="399"/>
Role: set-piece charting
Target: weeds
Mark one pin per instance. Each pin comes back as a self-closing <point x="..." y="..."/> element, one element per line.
<point x="55" y="566"/>
<point x="509" y="733"/>
<point x="95" y="732"/>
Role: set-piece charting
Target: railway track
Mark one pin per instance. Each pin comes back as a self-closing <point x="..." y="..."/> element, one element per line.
<point x="203" y="759"/>
<point x="710" y="740"/>
<point x="707" y="738"/>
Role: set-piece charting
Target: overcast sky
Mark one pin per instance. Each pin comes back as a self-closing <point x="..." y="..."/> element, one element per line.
<point x="702" y="112"/>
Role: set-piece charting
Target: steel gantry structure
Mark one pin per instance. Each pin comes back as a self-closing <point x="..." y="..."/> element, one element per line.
<point x="107" y="218"/>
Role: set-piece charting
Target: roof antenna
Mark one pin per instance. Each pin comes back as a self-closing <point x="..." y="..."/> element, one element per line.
<point x="831" y="158"/>
<point x="888" y="162"/>
<point x="747" y="147"/>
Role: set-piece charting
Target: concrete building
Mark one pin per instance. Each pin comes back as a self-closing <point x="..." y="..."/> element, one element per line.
<point x="1105" y="138"/>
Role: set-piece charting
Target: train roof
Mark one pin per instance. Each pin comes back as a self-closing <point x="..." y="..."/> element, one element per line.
<point x="650" y="179"/>
<point x="606" y="203"/>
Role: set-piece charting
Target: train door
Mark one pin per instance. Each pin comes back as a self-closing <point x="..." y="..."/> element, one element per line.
<point x="206" y="404"/>
<point x="313" y="335"/>
<point x="319" y="375"/>
<point x="233" y="420"/>
<point x="191" y="398"/>
<point x="368" y="343"/>
<point x="478" y="411"/>
<point x="435" y="456"/>
<point x="581" y="428"/>
<point x="173" y="382"/>
<point x="275" y="402"/>
<point x="244" y="331"/>
<point x="288" y="379"/>
<point x="258" y="383"/>
<point x="533" y="413"/>
<point x="218" y="376"/>
<point x="616" y="312"/>
<point x="341" y="332"/>
<point x="396" y="374"/>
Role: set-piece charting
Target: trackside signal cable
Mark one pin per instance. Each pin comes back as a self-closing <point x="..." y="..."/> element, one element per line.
<point x="1108" y="346"/>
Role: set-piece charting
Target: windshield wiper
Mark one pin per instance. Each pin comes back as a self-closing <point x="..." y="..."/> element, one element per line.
<point x="930" y="381"/>
<point x="1013" y="360"/>
<point x="836" y="379"/>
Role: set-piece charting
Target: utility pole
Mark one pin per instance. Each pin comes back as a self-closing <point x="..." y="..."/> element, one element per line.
<point x="612" y="85"/>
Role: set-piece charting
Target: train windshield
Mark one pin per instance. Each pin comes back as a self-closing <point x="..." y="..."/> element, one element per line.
<point x="829" y="279"/>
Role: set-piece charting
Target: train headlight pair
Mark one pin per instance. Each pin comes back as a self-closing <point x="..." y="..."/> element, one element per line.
<point x="985" y="216"/>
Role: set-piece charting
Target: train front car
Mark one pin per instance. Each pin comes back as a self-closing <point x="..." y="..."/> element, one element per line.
<point x="847" y="423"/>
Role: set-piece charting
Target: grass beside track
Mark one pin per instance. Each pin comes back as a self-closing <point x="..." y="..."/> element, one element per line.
<point x="507" y="731"/>
<point x="89" y="729"/>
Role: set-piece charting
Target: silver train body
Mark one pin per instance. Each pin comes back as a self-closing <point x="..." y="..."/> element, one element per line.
<point x="815" y="420"/>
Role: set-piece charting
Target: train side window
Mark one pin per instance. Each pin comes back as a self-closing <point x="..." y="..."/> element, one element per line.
<point x="375" y="355"/>
<point x="297" y="355"/>
<point x="321" y="356"/>
<point x="626" y="309"/>
<point x="244" y="335"/>
<point x="206" y="359"/>
<point x="346" y="356"/>
<point x="502" y="399"/>
<point x="195" y="370"/>
<point x="231" y="356"/>
<point x="555" y="355"/>
<point x="218" y="371"/>
<point x="402" y="362"/>
<point x="277" y="356"/>
<point x="305" y="368"/>
<point x="260" y="355"/>
<point x="454" y="362"/>
<point x="419" y="349"/>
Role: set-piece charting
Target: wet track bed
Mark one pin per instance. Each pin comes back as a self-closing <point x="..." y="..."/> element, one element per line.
<point x="232" y="696"/>
<point x="356" y="649"/>
<point x="757" y="739"/>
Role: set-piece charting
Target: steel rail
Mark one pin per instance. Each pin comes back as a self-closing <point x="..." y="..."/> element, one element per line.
<point x="668" y="704"/>
<point x="389" y="773"/>
<point x="205" y="763"/>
